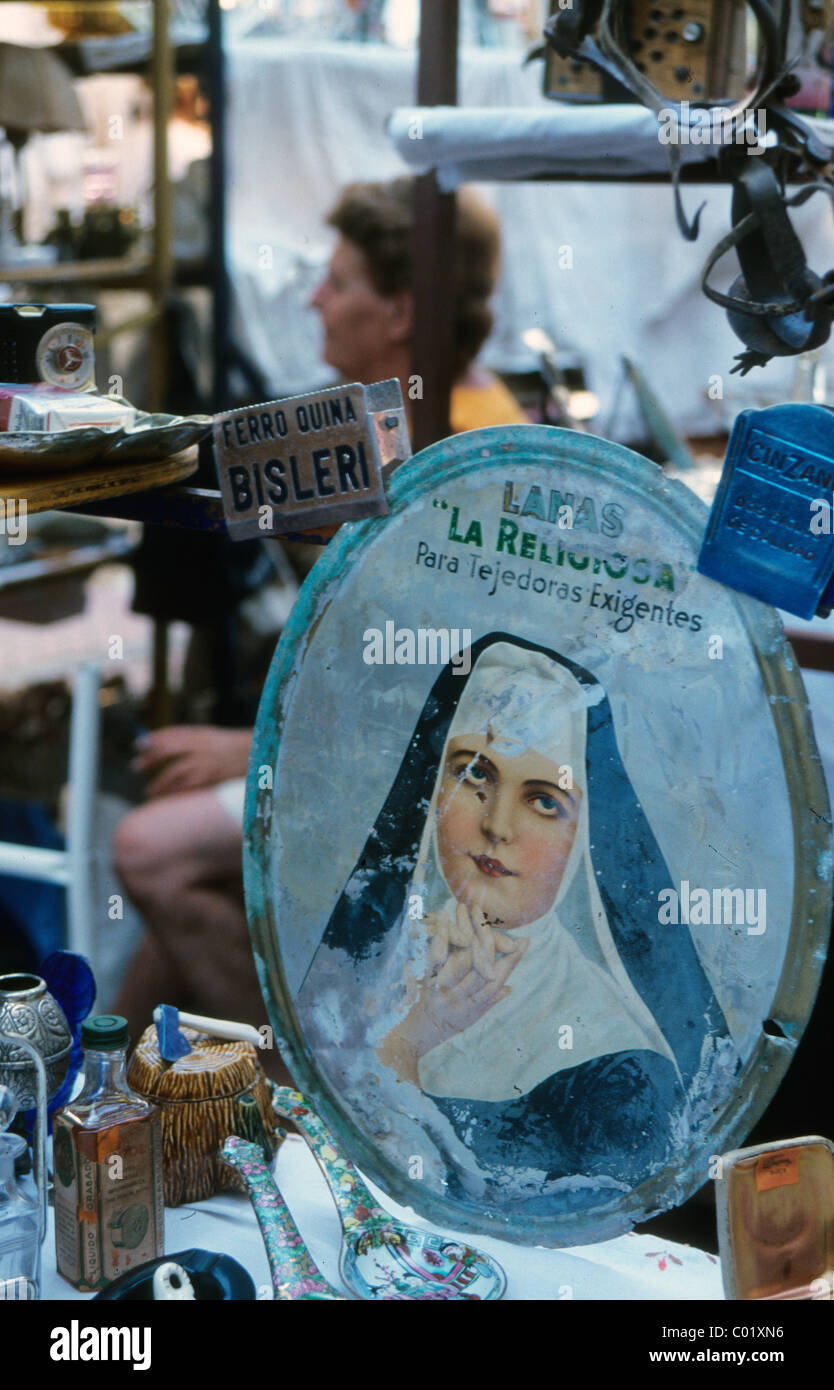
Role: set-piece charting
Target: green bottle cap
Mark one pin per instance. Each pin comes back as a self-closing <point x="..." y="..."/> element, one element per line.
<point x="104" y="1032"/>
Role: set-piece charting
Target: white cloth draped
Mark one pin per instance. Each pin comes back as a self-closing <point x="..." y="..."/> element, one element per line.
<point x="601" y="267"/>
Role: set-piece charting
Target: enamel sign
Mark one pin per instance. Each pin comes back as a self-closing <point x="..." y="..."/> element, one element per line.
<point x="309" y="460"/>
<point x="538" y="856"/>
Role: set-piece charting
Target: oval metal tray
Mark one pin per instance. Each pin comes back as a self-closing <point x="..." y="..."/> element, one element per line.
<point x="639" y="1034"/>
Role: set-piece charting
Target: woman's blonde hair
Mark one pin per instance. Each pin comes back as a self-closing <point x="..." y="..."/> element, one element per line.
<point x="378" y="218"/>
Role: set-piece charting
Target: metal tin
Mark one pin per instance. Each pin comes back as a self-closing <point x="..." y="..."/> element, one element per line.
<point x="769" y="532"/>
<point x="48" y="342"/>
<point x="671" y="960"/>
<point x="775" y="1206"/>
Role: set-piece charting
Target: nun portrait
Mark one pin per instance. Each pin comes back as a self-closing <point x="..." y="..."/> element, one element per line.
<point x="498" y="946"/>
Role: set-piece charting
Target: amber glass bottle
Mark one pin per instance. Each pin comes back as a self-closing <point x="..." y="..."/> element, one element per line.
<point x="108" y="1167"/>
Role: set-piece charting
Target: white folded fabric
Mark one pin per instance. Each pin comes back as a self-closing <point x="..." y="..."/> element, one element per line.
<point x="468" y="143"/>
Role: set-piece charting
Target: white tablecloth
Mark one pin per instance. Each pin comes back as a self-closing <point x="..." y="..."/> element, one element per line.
<point x="645" y="1268"/>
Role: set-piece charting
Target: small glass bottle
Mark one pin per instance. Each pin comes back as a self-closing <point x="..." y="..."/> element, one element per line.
<point x="19" y="1227"/>
<point x="107" y="1156"/>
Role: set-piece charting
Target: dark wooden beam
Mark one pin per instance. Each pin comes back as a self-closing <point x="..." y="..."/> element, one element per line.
<point x="814" y="652"/>
<point x="434" y="235"/>
<point x="220" y="301"/>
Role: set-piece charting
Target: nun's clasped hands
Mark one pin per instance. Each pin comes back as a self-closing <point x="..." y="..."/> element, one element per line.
<point x="471" y="962"/>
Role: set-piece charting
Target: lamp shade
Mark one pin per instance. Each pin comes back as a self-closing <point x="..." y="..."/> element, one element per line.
<point x="36" y="93"/>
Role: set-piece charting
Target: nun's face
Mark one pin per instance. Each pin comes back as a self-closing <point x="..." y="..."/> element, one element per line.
<point x="505" y="830"/>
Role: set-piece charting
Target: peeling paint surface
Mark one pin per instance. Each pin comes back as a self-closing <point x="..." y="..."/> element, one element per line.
<point x="682" y="917"/>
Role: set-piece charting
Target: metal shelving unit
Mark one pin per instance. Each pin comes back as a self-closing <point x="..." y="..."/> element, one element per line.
<point x="154" y="273"/>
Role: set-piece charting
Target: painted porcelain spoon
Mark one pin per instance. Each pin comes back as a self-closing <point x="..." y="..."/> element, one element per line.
<point x="380" y="1256"/>
<point x="294" y="1275"/>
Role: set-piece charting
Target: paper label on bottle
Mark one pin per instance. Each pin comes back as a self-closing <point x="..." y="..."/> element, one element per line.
<point x="779" y="1169"/>
<point x="108" y="1199"/>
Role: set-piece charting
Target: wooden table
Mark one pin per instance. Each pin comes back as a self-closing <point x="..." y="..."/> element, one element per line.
<point x="94" y="482"/>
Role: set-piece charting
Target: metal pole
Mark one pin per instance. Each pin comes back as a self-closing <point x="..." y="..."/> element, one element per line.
<point x="160" y="689"/>
<point x="434" y="232"/>
<point x="83" y="781"/>
<point x="217" y="212"/>
<point x="161" y="275"/>
<point x="30" y="861"/>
